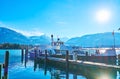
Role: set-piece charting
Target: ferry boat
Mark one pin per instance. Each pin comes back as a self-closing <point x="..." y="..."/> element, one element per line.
<point x="57" y="48"/>
<point x="54" y="48"/>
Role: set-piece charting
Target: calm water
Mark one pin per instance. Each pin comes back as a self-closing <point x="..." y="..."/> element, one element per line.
<point x="17" y="70"/>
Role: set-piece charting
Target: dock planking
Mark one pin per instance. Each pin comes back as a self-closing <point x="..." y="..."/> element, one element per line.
<point x="84" y="63"/>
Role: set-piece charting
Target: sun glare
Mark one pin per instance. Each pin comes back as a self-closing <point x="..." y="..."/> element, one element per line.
<point x="103" y="16"/>
<point x="104" y="76"/>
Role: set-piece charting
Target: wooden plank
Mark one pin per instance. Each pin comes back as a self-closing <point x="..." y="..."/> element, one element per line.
<point x="87" y="63"/>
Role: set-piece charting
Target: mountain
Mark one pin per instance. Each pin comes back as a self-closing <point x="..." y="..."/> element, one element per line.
<point x="96" y="40"/>
<point x="64" y="39"/>
<point x="91" y="40"/>
<point x="43" y="39"/>
<point x="10" y="36"/>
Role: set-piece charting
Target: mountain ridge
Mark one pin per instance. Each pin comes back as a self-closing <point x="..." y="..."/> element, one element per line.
<point x="10" y="36"/>
<point x="90" y="40"/>
<point x="96" y="40"/>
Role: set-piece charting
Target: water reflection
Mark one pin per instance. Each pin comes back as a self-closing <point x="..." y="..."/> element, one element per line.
<point x="58" y="71"/>
<point x="118" y="75"/>
<point x="54" y="70"/>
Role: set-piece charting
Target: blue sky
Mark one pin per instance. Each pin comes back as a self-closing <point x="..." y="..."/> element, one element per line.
<point x="63" y="18"/>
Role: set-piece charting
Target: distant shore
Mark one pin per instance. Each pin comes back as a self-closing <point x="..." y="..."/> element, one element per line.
<point x="13" y="46"/>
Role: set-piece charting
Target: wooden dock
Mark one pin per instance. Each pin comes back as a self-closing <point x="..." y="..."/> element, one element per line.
<point x="90" y="70"/>
<point x="76" y="62"/>
<point x="79" y="63"/>
<point x="84" y="63"/>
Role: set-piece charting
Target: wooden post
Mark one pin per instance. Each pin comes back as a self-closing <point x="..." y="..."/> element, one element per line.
<point x="45" y="63"/>
<point x="35" y="64"/>
<point x="26" y="56"/>
<point x="75" y="56"/>
<point x="45" y="55"/>
<point x="39" y="64"/>
<point x="35" y="51"/>
<point x="86" y="56"/>
<point x="35" y="60"/>
<point x="67" y="64"/>
<point x="75" y="76"/>
<point x="0" y="71"/>
<point x="119" y="59"/>
<point x="6" y="65"/>
<point x="22" y="55"/>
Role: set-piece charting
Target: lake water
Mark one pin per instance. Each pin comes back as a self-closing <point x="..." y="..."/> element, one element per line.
<point x="17" y="70"/>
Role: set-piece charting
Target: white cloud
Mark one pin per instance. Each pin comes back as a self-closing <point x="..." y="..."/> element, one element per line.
<point x="30" y="33"/>
<point x="60" y="22"/>
<point x="33" y="32"/>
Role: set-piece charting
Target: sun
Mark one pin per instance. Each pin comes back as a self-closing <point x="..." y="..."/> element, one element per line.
<point x="103" y="16"/>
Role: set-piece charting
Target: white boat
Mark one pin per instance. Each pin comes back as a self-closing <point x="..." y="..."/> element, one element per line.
<point x="106" y="52"/>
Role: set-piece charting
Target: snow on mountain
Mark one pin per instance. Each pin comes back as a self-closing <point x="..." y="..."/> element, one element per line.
<point x="43" y="39"/>
<point x="91" y="40"/>
<point x="64" y="39"/>
<point x="11" y="36"/>
<point x="96" y="40"/>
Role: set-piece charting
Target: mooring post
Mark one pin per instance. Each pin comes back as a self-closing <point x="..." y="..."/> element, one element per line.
<point x="45" y="63"/>
<point x="35" y="64"/>
<point x="26" y="56"/>
<point x="0" y="71"/>
<point x="45" y="55"/>
<point x="6" y="65"/>
<point x="119" y="59"/>
<point x="86" y="56"/>
<point x="39" y="64"/>
<point x="22" y="55"/>
<point x="45" y="72"/>
<point x="35" y="60"/>
<point x="75" y="56"/>
<point x="75" y="76"/>
<point x="67" y="64"/>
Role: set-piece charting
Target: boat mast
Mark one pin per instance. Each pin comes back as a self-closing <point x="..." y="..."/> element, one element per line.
<point x="52" y="40"/>
<point x="113" y="38"/>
